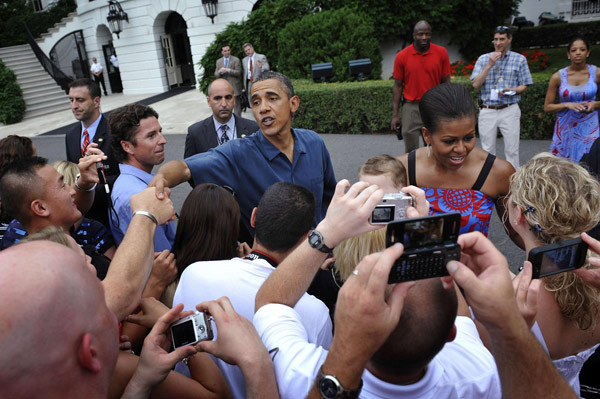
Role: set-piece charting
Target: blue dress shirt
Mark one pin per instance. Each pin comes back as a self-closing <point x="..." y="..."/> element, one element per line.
<point x="252" y="164"/>
<point x="131" y="181"/>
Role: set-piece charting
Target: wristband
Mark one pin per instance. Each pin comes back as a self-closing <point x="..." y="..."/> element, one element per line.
<point x="147" y="214"/>
<point x="83" y="189"/>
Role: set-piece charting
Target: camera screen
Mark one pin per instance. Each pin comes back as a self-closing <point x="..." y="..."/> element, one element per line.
<point x="183" y="334"/>
<point x="558" y="260"/>
<point x="423" y="232"/>
<point x="383" y="214"/>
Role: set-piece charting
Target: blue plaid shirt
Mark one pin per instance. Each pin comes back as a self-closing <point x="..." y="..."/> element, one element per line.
<point x="509" y="71"/>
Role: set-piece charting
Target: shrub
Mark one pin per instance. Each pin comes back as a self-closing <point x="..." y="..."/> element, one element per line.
<point x="366" y="107"/>
<point x="555" y="35"/>
<point x="335" y="36"/>
<point x="12" y="105"/>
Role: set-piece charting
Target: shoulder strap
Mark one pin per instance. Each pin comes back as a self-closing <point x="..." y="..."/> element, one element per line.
<point x="485" y="171"/>
<point x="412" y="163"/>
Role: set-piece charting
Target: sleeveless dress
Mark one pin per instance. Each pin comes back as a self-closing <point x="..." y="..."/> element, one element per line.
<point x="575" y="132"/>
<point x="474" y="206"/>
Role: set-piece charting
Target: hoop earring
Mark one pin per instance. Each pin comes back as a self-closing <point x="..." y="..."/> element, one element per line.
<point x="428" y="150"/>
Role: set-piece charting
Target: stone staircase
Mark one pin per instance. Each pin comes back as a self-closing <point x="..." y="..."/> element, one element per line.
<point x="41" y="93"/>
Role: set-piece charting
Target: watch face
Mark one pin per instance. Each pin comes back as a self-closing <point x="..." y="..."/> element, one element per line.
<point x="328" y="388"/>
<point x="314" y="239"/>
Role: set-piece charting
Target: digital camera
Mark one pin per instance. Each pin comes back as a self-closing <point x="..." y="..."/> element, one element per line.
<point x="192" y="329"/>
<point x="392" y="207"/>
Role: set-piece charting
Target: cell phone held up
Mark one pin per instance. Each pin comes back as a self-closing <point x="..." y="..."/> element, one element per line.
<point x="429" y="244"/>
<point x="191" y="329"/>
<point x="558" y="257"/>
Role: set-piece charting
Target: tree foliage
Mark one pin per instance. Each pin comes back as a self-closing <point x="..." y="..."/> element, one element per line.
<point x="335" y="36"/>
<point x="468" y="23"/>
<point x="12" y="105"/>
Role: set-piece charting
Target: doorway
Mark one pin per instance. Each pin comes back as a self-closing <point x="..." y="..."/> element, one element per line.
<point x="177" y="52"/>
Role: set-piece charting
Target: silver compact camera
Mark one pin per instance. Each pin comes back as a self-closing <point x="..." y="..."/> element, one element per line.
<point x="192" y="329"/>
<point x="392" y="207"/>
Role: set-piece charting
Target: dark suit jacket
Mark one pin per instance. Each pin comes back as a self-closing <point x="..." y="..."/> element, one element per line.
<point x="202" y="135"/>
<point x="99" y="210"/>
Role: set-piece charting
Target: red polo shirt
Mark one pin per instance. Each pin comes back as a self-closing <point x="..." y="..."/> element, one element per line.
<point x="421" y="71"/>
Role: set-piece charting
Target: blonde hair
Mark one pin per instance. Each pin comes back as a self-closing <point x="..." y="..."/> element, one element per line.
<point x="350" y="252"/>
<point x="560" y="200"/>
<point x="69" y="170"/>
<point x="50" y="233"/>
<point x="382" y="164"/>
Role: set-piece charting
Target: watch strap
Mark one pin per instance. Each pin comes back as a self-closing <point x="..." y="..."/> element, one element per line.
<point x="342" y="393"/>
<point x="318" y="244"/>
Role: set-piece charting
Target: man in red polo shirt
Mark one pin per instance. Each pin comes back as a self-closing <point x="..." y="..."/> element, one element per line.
<point x="417" y="69"/>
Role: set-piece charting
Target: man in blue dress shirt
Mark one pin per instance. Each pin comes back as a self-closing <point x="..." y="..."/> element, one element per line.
<point x="275" y="153"/>
<point x="138" y="144"/>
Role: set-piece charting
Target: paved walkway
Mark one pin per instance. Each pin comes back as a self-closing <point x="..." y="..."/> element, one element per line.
<point x="175" y="114"/>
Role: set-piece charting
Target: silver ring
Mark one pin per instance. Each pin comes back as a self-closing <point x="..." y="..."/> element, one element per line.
<point x="355" y="272"/>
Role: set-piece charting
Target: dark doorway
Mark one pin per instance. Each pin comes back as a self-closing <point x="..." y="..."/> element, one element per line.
<point x="182" y="64"/>
<point x="114" y="75"/>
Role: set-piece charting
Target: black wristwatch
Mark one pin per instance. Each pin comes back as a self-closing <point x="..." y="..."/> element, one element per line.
<point x="315" y="239"/>
<point x="330" y="387"/>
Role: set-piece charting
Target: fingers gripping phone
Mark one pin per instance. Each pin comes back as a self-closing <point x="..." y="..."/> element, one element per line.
<point x="558" y="257"/>
<point x="429" y="243"/>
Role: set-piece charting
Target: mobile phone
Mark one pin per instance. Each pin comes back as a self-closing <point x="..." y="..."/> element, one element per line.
<point x="558" y="257"/>
<point x="191" y="329"/>
<point x="429" y="243"/>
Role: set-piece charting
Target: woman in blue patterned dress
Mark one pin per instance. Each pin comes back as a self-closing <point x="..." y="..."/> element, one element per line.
<point x="576" y="125"/>
<point x="457" y="176"/>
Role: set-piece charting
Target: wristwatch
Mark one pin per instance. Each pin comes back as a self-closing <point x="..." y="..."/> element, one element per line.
<point x="330" y="387"/>
<point x="315" y="239"/>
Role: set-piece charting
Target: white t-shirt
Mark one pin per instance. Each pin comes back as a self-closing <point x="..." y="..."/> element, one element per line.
<point x="239" y="279"/>
<point x="96" y="67"/>
<point x="464" y="368"/>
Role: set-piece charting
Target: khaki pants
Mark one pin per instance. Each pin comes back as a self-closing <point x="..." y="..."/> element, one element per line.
<point x="508" y="120"/>
<point x="411" y="125"/>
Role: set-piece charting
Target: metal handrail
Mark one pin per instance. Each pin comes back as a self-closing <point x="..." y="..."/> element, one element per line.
<point x="53" y="70"/>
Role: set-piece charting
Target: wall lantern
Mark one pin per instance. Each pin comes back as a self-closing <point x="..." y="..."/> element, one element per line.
<point x="116" y="16"/>
<point x="210" y="8"/>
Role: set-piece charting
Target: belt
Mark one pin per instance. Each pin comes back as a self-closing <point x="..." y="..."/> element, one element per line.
<point x="494" y="106"/>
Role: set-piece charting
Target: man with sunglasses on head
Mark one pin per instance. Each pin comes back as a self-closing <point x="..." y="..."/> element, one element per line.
<point x="502" y="76"/>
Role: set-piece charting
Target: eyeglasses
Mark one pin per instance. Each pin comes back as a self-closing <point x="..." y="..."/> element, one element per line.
<point x="502" y="28"/>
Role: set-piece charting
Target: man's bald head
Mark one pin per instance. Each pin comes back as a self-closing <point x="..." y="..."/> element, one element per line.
<point x="56" y="329"/>
<point x="221" y="100"/>
<point x="421" y="25"/>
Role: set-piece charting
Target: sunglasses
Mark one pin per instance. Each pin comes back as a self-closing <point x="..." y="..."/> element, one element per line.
<point x="502" y="29"/>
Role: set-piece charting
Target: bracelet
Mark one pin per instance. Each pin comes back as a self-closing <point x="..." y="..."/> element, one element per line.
<point x="83" y="189"/>
<point x="147" y="214"/>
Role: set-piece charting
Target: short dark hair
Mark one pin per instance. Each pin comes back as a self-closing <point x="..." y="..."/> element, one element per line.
<point x="92" y="86"/>
<point x="285" y="213"/>
<point x="124" y="123"/>
<point x="504" y="30"/>
<point x="425" y="324"/>
<point x="448" y="101"/>
<point x="19" y="185"/>
<point x="208" y="226"/>
<point x="573" y="40"/>
<point x="14" y="147"/>
<point x="382" y="164"/>
<point x="225" y="45"/>
<point x="285" y="82"/>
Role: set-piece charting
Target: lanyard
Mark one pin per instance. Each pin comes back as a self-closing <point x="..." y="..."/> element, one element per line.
<point x="254" y="255"/>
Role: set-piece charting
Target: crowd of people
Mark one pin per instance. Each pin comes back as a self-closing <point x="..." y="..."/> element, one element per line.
<point x="286" y="260"/>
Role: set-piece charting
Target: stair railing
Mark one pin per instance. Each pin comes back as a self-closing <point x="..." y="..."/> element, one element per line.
<point x="53" y="70"/>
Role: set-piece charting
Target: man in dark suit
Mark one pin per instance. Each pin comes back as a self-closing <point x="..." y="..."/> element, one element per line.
<point x="84" y="95"/>
<point x="222" y="125"/>
<point x="229" y="68"/>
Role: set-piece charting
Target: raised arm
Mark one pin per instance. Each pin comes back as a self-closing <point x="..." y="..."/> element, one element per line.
<point x="170" y="174"/>
<point x="347" y="216"/>
<point x="131" y="265"/>
<point x="88" y="178"/>
<point x="480" y="78"/>
<point x="525" y="369"/>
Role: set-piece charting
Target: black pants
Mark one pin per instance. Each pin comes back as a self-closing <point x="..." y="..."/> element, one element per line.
<point x="100" y="81"/>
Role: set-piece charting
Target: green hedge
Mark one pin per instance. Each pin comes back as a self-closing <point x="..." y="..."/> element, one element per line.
<point x="12" y="105"/>
<point x="555" y="35"/>
<point x="366" y="107"/>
